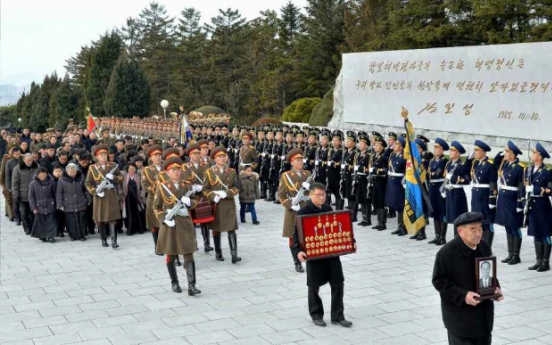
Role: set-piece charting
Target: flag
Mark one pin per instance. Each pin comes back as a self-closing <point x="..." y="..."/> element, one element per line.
<point x="90" y="123"/>
<point x="413" y="215"/>
<point x="185" y="131"/>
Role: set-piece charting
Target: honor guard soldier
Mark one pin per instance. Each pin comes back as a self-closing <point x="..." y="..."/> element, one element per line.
<point x="421" y="146"/>
<point x="426" y="155"/>
<point x="310" y="151"/>
<point x="321" y="158"/>
<point x="149" y="184"/>
<point x="224" y="138"/>
<point x="194" y="173"/>
<point x="378" y="169"/>
<point x="221" y="187"/>
<point x="347" y="171"/>
<point x="484" y="188"/>
<point x="276" y="163"/>
<point x="335" y="156"/>
<point x="362" y="169"/>
<point x="101" y="182"/>
<point x="290" y="145"/>
<point x="457" y="175"/>
<point x="509" y="203"/>
<point x="391" y="139"/>
<point x="176" y="234"/>
<point x="248" y="155"/>
<point x="395" y="193"/>
<point x="436" y="171"/>
<point x="264" y="163"/>
<point x="539" y="186"/>
<point x="292" y="183"/>
<point x="300" y="140"/>
<point x="205" y="159"/>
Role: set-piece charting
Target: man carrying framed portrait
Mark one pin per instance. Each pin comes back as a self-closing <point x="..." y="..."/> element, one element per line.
<point x="465" y="276"/>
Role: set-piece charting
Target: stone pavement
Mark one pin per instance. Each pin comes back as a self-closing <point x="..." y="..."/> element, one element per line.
<point x="78" y="292"/>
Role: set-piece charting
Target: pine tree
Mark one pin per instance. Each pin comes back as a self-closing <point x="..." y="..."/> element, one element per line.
<point x="288" y="33"/>
<point x="131" y="35"/>
<point x="64" y="104"/>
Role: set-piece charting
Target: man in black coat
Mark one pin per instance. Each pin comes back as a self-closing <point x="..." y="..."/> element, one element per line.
<point x="322" y="271"/>
<point x="467" y="319"/>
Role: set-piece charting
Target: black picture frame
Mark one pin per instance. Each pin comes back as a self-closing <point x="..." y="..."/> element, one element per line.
<point x="486" y="278"/>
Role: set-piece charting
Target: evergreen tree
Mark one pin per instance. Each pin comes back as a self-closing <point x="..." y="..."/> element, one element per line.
<point x="64" y="104"/>
<point x="288" y="32"/>
<point x="131" y="35"/>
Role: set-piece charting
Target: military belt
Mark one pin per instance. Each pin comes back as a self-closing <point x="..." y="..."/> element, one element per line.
<point x="393" y="174"/>
<point x="437" y="180"/>
<point x="481" y="185"/>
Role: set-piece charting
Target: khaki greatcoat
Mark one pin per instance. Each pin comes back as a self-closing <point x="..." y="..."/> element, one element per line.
<point x="105" y="209"/>
<point x="290" y="183"/>
<point x="226" y="218"/>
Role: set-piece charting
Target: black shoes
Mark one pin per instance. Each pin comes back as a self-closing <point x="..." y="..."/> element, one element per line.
<point x="299" y="268"/>
<point x="320" y="323"/>
<point x="343" y="323"/>
<point x="441" y="241"/>
<point x="256" y="222"/>
<point x="104" y="243"/>
<point x="114" y="244"/>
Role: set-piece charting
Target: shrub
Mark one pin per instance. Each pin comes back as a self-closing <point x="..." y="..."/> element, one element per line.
<point x="210" y="109"/>
<point x="266" y="120"/>
<point x="323" y="112"/>
<point x="300" y="110"/>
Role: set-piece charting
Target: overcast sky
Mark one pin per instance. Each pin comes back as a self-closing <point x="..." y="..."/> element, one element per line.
<point x="39" y="35"/>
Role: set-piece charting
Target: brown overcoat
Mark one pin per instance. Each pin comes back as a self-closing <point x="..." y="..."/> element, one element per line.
<point x="248" y="156"/>
<point x="150" y="178"/>
<point x="226" y="218"/>
<point x="181" y="239"/>
<point x="106" y="209"/>
<point x="290" y="183"/>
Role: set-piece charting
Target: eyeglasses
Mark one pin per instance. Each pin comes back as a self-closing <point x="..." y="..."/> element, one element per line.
<point x="319" y="195"/>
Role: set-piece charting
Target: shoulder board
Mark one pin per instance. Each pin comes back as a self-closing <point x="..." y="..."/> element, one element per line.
<point x="522" y="165"/>
<point x="491" y="161"/>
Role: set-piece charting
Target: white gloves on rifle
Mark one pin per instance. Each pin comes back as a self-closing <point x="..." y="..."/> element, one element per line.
<point x="355" y="168"/>
<point x="99" y="194"/>
<point x="306" y="185"/>
<point x="296" y="208"/>
<point x="217" y="199"/>
<point x="519" y="210"/>
<point x="169" y="223"/>
<point x="197" y="188"/>
<point x="222" y="194"/>
<point x="492" y="206"/>
<point x="110" y="176"/>
<point x="186" y="201"/>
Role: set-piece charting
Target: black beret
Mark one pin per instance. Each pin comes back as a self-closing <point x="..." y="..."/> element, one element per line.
<point x="468" y="218"/>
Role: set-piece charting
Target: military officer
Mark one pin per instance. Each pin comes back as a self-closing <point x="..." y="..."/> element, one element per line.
<point x="276" y="163"/>
<point x="456" y="176"/>
<point x="391" y="140"/>
<point x="106" y="202"/>
<point x="335" y="155"/>
<point x="149" y="184"/>
<point x="263" y="147"/>
<point x="362" y="169"/>
<point x="539" y="185"/>
<point x="291" y="183"/>
<point x="321" y="158"/>
<point x="484" y="188"/>
<point x="248" y="155"/>
<point x="436" y="171"/>
<point x="221" y="187"/>
<point x="347" y="167"/>
<point x="205" y="159"/>
<point x="310" y="151"/>
<point x="395" y="194"/>
<point x="176" y="234"/>
<point x="378" y="169"/>
<point x="509" y="204"/>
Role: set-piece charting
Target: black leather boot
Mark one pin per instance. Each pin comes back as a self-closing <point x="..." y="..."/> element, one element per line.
<point x="545" y="258"/>
<point x="379" y="225"/>
<point x="442" y="234"/>
<point x="488" y="236"/>
<point x="233" y="242"/>
<point x="517" y="250"/>
<point x="437" y="226"/>
<point x="177" y="261"/>
<point x="263" y="190"/>
<point x="114" y="244"/>
<point x="191" y="276"/>
<point x="539" y="251"/>
<point x="366" y="219"/>
<point x="297" y="263"/>
<point x="354" y="211"/>
<point x="421" y="234"/>
<point x="383" y="219"/>
<point x="174" y="277"/>
<point x="155" y="235"/>
<point x="340" y="204"/>
<point x="103" y="236"/>
<point x="218" y="249"/>
<point x="206" y="239"/>
<point x="270" y="193"/>
<point x="510" y="241"/>
<point x="392" y="213"/>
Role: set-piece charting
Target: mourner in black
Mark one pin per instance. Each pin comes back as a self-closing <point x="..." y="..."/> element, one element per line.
<point x="322" y="271"/>
<point x="469" y="321"/>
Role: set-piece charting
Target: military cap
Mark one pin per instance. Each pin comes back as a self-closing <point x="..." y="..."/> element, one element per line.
<point x="424" y="139"/>
<point x="192" y="148"/>
<point x="295" y="127"/>
<point x="377" y="134"/>
<point x="128" y="137"/>
<point x="421" y="144"/>
<point x="203" y="143"/>
<point x="482" y="146"/>
<point x="542" y="151"/>
<point x="442" y="144"/>
<point x="325" y="133"/>
<point x="392" y="135"/>
<point x="380" y="140"/>
<point x="247" y="134"/>
<point x="105" y="130"/>
<point x="468" y="218"/>
<point x="456" y="146"/>
<point x="364" y="138"/>
<point x="102" y="148"/>
<point x="224" y="127"/>
<point x="171" y="152"/>
<point x="279" y="130"/>
<point x="313" y="134"/>
<point x="173" y="162"/>
<point x="337" y="134"/>
<point x="300" y="133"/>
<point x="157" y="142"/>
<point x="351" y="136"/>
<point x="289" y="133"/>
<point x="293" y="154"/>
<point x="362" y="133"/>
<point x="154" y="150"/>
<point x="513" y="148"/>
<point x="218" y="151"/>
<point x="402" y="141"/>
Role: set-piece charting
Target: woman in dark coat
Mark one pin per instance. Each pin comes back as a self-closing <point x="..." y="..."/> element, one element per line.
<point x="73" y="199"/>
<point x="42" y="201"/>
<point x="134" y="202"/>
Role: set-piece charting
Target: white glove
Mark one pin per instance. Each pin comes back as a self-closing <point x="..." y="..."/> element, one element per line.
<point x="371" y="170"/>
<point x="99" y="194"/>
<point x="492" y="206"/>
<point x="110" y="176"/>
<point x="519" y="210"/>
<point x="222" y="194"/>
<point x="304" y="160"/>
<point x="217" y="199"/>
<point x="306" y="185"/>
<point x="316" y="163"/>
<point x="444" y="195"/>
<point x="271" y="156"/>
<point x="356" y="168"/>
<point x="197" y="188"/>
<point x="296" y="208"/>
<point x="343" y="166"/>
<point x="169" y="223"/>
<point x="283" y="157"/>
<point x="501" y="154"/>
<point x="186" y="201"/>
<point x="328" y="163"/>
<point x="448" y="176"/>
<point x="263" y="154"/>
<point x="229" y="149"/>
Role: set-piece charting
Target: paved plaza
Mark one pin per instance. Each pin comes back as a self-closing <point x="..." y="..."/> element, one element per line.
<point x="78" y="292"/>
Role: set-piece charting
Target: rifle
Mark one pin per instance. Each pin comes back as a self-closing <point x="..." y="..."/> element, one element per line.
<point x="237" y="155"/>
<point x="342" y="181"/>
<point x="528" y="189"/>
<point x="178" y="209"/>
<point x="105" y="184"/>
<point x="301" y="192"/>
<point x="272" y="163"/>
<point x="282" y="164"/>
<point x="316" y="162"/>
<point x="355" y="176"/>
<point x="446" y="186"/>
<point x="263" y="160"/>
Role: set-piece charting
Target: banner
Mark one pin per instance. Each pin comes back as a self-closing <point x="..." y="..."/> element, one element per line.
<point x="499" y="90"/>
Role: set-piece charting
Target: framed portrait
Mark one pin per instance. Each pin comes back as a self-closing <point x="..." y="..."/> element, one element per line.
<point x="485" y="277"/>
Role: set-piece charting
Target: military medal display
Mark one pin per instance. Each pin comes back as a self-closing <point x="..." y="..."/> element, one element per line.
<point x="326" y="235"/>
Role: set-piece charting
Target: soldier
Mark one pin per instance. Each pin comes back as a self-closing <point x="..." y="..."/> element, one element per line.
<point x="194" y="173"/>
<point x="205" y="159"/>
<point x="457" y="175"/>
<point x="149" y="184"/>
<point x="484" y="188"/>
<point x="221" y="187"/>
<point x="335" y="156"/>
<point x="321" y="158"/>
<point x="176" y="234"/>
<point x="509" y="205"/>
<point x="248" y="155"/>
<point x="275" y="166"/>
<point x="436" y="171"/>
<point x="539" y="185"/>
<point x="285" y="165"/>
<point x="395" y="194"/>
<point x="421" y="146"/>
<point x="264" y="147"/>
<point x="391" y="139"/>
<point x="310" y="151"/>
<point x="300" y="140"/>
<point x="378" y="168"/>
<point x="106" y="202"/>
<point x="347" y="171"/>
<point x="291" y="183"/>
<point x="362" y="169"/>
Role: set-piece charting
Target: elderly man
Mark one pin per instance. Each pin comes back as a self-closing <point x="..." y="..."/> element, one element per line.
<point x="468" y="319"/>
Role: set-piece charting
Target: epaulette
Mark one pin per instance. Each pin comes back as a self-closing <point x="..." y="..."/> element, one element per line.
<point x="522" y="165"/>
<point x="491" y="161"/>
